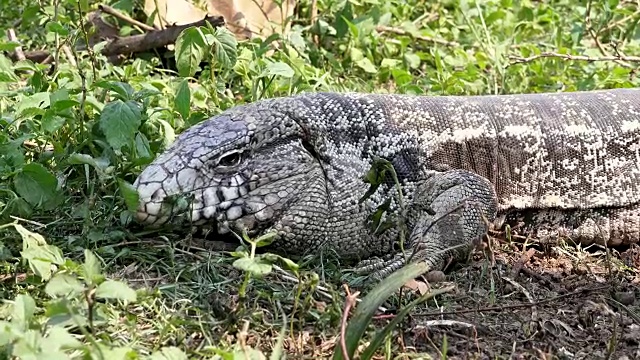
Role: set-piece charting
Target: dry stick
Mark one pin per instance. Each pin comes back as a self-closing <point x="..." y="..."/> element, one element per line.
<point x="594" y="35"/>
<point x="534" y="309"/>
<point x="11" y="34"/>
<point x="621" y="21"/>
<point x="520" y="60"/>
<point x="69" y="55"/>
<point x="115" y="13"/>
<point x="314" y="17"/>
<point x="514" y="306"/>
<point x="350" y="302"/>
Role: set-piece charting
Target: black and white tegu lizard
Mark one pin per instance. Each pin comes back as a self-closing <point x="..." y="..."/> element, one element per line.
<point x="567" y="163"/>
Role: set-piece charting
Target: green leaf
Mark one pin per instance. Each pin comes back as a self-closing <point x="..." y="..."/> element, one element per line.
<point x="390" y="63"/>
<point x="6" y="72"/>
<point x="370" y="303"/>
<point x="254" y="266"/>
<point x="92" y="268"/>
<point x="124" y="91"/>
<point x="183" y="99"/>
<point x="39" y="255"/>
<point x="63" y="285"/>
<point x="265" y="239"/>
<point x="190" y="49"/>
<point x="280" y="69"/>
<point x="143" y="149"/>
<point x="36" y="101"/>
<point x="23" y="309"/>
<point x="169" y="353"/>
<point x="119" y="121"/>
<point x="99" y="164"/>
<point x="366" y="65"/>
<point x="36" y="184"/>
<point x="59" y="338"/>
<point x="113" y="289"/>
<point x="130" y="195"/>
<point x="51" y="122"/>
<point x="225" y="49"/>
<point x="273" y="258"/>
<point x="56" y="27"/>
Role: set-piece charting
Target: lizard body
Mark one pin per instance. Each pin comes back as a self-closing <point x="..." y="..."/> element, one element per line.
<point x="568" y="164"/>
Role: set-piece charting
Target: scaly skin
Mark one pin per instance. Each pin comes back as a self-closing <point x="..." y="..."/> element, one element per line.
<point x="569" y="162"/>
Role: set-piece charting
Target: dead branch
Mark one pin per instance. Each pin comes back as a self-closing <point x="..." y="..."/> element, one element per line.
<point x="521" y="60"/>
<point x="115" y="13"/>
<point x="11" y="35"/>
<point x="135" y="43"/>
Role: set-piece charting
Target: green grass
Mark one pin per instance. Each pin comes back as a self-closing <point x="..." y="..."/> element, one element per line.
<point x="74" y="137"/>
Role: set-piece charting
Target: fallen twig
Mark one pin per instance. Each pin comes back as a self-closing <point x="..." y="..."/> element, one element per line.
<point x="349" y="303"/>
<point x="534" y="309"/>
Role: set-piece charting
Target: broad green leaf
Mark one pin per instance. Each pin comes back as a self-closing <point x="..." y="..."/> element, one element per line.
<point x="130" y="195"/>
<point x="280" y="69"/>
<point x="8" y="45"/>
<point x="183" y="99"/>
<point x="124" y="91"/>
<point x="6" y="72"/>
<point x="390" y="63"/>
<point x="51" y="122"/>
<point x="92" y="268"/>
<point x="59" y="338"/>
<point x="413" y="60"/>
<point x="169" y="353"/>
<point x="119" y="121"/>
<point x="143" y="149"/>
<point x="41" y="258"/>
<point x="225" y="47"/>
<point x="254" y="266"/>
<point x="8" y="333"/>
<point x="112" y="289"/>
<point x="36" y="184"/>
<point x="37" y="101"/>
<point x="63" y="285"/>
<point x="23" y="309"/>
<point x="56" y="27"/>
<point x="190" y="49"/>
<point x="366" y="65"/>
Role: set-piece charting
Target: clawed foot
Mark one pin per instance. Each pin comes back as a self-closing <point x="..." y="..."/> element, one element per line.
<point x="449" y="212"/>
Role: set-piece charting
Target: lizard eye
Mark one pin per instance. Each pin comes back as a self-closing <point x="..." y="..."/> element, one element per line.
<point x="232" y="158"/>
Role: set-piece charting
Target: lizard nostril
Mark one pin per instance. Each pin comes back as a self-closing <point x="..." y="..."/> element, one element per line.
<point x="156" y="194"/>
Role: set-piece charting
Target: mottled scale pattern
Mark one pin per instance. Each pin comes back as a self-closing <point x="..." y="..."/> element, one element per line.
<point x="563" y="163"/>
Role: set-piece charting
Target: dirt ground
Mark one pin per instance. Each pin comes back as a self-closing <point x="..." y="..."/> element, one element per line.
<point x="509" y="302"/>
<point x="547" y="303"/>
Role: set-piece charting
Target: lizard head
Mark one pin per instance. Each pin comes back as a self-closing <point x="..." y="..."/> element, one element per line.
<point x="242" y="169"/>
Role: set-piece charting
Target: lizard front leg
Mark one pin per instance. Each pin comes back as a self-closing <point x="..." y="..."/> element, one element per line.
<point x="450" y="211"/>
